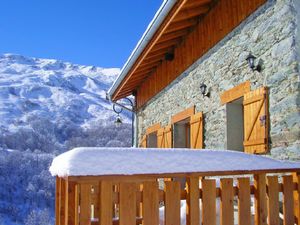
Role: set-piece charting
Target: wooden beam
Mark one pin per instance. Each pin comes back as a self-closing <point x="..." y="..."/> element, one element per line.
<point x="190" y="13"/>
<point x="183" y="114"/>
<point x="153" y="128"/>
<point x="195" y="3"/>
<point x="182" y="25"/>
<point x="173" y="35"/>
<point x="235" y="93"/>
<point x="166" y="44"/>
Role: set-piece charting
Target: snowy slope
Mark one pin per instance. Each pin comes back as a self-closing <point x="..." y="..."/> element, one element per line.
<point x="31" y="87"/>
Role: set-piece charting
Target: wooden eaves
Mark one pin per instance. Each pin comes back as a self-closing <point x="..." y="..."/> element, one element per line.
<point x="179" y="22"/>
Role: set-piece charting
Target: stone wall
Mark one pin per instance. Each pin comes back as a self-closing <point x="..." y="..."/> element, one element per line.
<point x="270" y="34"/>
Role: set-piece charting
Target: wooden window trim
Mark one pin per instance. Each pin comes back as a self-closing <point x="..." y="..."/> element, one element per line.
<point x="183" y="115"/>
<point x="235" y="93"/>
<point x="154" y="128"/>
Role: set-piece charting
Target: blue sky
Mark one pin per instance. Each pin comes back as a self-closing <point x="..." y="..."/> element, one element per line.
<point x="88" y="32"/>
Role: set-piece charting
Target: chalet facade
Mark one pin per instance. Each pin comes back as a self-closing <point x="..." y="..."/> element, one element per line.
<point x="194" y="87"/>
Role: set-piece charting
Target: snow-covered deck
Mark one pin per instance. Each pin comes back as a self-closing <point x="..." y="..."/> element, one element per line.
<point x="121" y="186"/>
<point x="136" y="161"/>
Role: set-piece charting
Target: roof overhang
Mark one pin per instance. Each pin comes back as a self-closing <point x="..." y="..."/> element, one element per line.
<point x="172" y="22"/>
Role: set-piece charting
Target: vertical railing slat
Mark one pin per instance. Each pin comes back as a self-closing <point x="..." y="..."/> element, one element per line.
<point x="127" y="203"/>
<point x="150" y="203"/>
<point x="85" y="204"/>
<point x="208" y="202"/>
<point x="260" y="199"/>
<point x="273" y="200"/>
<point x="297" y="200"/>
<point x="57" y="200"/>
<point x="288" y="201"/>
<point x="172" y="203"/>
<point x="63" y="202"/>
<point x="106" y="203"/>
<point x="244" y="201"/>
<point x="192" y="201"/>
<point x="227" y="213"/>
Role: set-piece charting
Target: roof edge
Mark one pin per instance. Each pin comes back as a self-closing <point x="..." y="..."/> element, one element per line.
<point x="159" y="17"/>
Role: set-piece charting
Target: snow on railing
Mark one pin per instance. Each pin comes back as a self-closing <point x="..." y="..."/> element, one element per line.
<point x="153" y="186"/>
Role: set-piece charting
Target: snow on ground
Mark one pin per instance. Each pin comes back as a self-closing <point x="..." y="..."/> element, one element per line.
<point x="130" y="161"/>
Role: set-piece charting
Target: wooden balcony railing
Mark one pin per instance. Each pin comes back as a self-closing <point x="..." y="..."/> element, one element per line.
<point x="269" y="196"/>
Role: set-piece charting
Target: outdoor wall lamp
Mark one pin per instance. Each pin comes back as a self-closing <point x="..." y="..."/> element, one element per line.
<point x="118" y="120"/>
<point x="251" y="62"/>
<point x="118" y="108"/>
<point x="204" y="90"/>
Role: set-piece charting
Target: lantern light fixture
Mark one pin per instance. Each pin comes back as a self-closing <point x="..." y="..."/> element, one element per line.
<point x="204" y="90"/>
<point x="251" y="62"/>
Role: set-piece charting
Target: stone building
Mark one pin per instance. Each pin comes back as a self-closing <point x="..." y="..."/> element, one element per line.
<point x="195" y="86"/>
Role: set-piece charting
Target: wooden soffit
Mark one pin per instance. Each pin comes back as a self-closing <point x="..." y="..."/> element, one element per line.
<point x="180" y="21"/>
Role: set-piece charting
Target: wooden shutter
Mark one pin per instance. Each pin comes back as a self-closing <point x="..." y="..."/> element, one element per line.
<point x="168" y="136"/>
<point x="164" y="137"/>
<point x="144" y="141"/>
<point x="196" y="130"/>
<point x="256" y="121"/>
<point x="161" y="138"/>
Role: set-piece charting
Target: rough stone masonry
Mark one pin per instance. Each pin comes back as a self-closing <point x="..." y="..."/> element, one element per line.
<point x="272" y="35"/>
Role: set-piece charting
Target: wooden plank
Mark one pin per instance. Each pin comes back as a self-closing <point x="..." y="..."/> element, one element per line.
<point x="72" y="203"/>
<point x="273" y="200"/>
<point x="192" y="201"/>
<point x="196" y="131"/>
<point x="226" y="214"/>
<point x="244" y="201"/>
<point x="288" y="201"/>
<point x="106" y="203"/>
<point x="260" y="199"/>
<point x="150" y="203"/>
<point x="64" y="202"/>
<point x="172" y="203"/>
<point x="85" y="204"/>
<point x="235" y="93"/>
<point x="57" y="200"/>
<point x="256" y="122"/>
<point x="183" y="114"/>
<point x="127" y="203"/>
<point x="297" y="198"/>
<point x="168" y="143"/>
<point x="208" y="202"/>
<point x="153" y="128"/>
<point x="192" y="12"/>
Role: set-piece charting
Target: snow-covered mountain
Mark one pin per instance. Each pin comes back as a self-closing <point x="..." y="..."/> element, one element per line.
<point x="47" y="107"/>
<point x="52" y="89"/>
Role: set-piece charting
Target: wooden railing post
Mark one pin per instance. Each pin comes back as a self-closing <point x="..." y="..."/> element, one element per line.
<point x="273" y="200"/>
<point x="192" y="201"/>
<point x="57" y="201"/>
<point x="288" y="201"/>
<point x="127" y="203"/>
<point x="244" y="201"/>
<point x="85" y="204"/>
<point x="208" y="202"/>
<point x="297" y="199"/>
<point x="63" y="201"/>
<point x="172" y="203"/>
<point x="106" y="202"/>
<point x="227" y="213"/>
<point x="73" y="202"/>
<point x="150" y="203"/>
<point x="260" y="199"/>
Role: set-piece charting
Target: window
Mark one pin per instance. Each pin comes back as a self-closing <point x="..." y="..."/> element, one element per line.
<point x="247" y="118"/>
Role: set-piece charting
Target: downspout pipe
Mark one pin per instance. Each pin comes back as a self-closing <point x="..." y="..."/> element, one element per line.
<point x="159" y="17"/>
